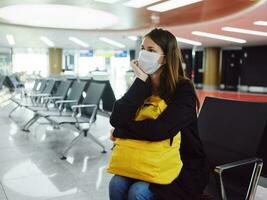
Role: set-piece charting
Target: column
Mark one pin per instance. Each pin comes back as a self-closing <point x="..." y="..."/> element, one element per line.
<point x="211" y="76"/>
<point x="55" y="61"/>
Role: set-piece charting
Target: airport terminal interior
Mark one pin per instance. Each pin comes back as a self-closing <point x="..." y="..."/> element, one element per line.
<point x="64" y="63"/>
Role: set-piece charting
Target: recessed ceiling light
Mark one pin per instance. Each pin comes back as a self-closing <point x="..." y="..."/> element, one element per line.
<point x="47" y="41"/>
<point x="108" y="1"/>
<point x="139" y="3"/>
<point x="261" y="23"/>
<point x="245" y="31"/>
<point x="30" y="50"/>
<point x="218" y="37"/>
<point x="171" y="4"/>
<point x="134" y="38"/>
<point x="57" y="16"/>
<point x="186" y="41"/>
<point x="112" y="42"/>
<point x="10" y="39"/>
<point x="79" y="42"/>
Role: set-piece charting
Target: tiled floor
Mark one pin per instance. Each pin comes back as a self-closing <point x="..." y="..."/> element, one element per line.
<point x="31" y="169"/>
<point x="30" y="165"/>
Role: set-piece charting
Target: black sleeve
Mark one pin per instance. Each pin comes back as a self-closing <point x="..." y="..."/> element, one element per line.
<point x="179" y="113"/>
<point x="124" y="109"/>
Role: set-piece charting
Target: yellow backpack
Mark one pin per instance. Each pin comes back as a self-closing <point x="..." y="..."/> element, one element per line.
<point x="154" y="162"/>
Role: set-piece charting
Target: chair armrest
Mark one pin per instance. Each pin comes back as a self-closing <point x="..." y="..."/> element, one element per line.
<point x="74" y="107"/>
<point x="53" y="98"/>
<point x="221" y="168"/>
<point x="39" y="95"/>
<point x="83" y="106"/>
<point x="66" y="101"/>
<point x="94" y="106"/>
<point x="251" y="191"/>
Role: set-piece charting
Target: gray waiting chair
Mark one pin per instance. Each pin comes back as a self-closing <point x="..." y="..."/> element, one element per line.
<point x="84" y="113"/>
<point x="60" y="94"/>
<point x="36" y="98"/>
<point x="63" y="106"/>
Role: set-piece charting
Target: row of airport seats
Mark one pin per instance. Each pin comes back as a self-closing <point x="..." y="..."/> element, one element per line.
<point x="67" y="101"/>
<point x="12" y="82"/>
<point x="9" y="85"/>
<point x="234" y="137"/>
<point x="233" y="133"/>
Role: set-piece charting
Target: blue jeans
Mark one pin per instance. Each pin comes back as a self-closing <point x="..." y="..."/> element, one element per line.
<point x="123" y="188"/>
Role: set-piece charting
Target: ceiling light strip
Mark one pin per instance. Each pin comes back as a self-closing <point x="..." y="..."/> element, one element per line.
<point x="186" y="41"/>
<point x="140" y="3"/>
<point x="171" y="4"/>
<point x="218" y="37"/>
<point x="245" y="31"/>
<point x="107" y="1"/>
<point x="10" y="39"/>
<point x="47" y="41"/>
<point x="261" y="23"/>
<point x="79" y="42"/>
<point x="134" y="38"/>
<point x="112" y="42"/>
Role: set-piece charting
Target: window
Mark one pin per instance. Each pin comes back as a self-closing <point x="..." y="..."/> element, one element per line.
<point x="31" y="62"/>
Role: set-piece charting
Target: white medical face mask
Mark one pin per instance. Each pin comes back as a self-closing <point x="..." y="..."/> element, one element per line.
<point x="148" y="61"/>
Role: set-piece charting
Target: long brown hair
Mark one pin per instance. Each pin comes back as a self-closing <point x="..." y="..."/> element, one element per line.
<point x="172" y="72"/>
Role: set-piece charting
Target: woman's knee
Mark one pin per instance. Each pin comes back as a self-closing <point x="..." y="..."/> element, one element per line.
<point x="140" y="191"/>
<point x="118" y="187"/>
<point x="119" y="182"/>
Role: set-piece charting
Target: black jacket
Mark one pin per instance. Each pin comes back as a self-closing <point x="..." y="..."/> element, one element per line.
<point x="180" y="115"/>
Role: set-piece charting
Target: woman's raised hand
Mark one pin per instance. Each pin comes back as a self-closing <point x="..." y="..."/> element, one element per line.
<point x="138" y="71"/>
<point x="111" y="137"/>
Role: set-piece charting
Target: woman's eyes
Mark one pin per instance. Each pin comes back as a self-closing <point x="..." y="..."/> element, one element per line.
<point x="150" y="50"/>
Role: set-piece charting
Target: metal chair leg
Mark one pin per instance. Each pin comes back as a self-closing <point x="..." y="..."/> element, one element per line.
<point x="220" y="185"/>
<point x="96" y="141"/>
<point x="254" y="181"/>
<point x="13" y="110"/>
<point x="70" y="146"/>
<point x="30" y="123"/>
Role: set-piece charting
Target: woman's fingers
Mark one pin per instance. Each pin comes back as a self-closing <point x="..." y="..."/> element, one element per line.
<point x="138" y="71"/>
<point x="111" y="137"/>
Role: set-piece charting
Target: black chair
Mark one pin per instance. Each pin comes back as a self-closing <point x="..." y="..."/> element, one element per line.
<point x="108" y="97"/>
<point x="7" y="83"/>
<point x="2" y="80"/>
<point x="232" y="133"/>
<point x="3" y="92"/>
<point x="16" y="81"/>
<point x="73" y="98"/>
<point x="12" y="82"/>
<point x="48" y="90"/>
<point x="36" y="98"/>
<point x="84" y="113"/>
<point x="35" y="88"/>
<point x="38" y="87"/>
<point x="60" y="94"/>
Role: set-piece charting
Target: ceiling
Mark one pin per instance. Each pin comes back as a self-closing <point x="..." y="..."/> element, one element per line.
<point x="207" y="15"/>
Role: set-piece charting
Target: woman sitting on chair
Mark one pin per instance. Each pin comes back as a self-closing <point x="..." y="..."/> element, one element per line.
<point x="159" y="74"/>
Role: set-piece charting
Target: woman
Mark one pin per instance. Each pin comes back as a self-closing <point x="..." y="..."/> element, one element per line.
<point x="159" y="72"/>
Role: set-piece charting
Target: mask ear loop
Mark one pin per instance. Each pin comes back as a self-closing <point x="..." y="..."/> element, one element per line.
<point x="161" y="63"/>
